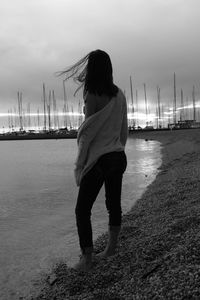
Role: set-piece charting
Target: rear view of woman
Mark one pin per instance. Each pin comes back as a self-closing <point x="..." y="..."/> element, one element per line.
<point x="101" y="159"/>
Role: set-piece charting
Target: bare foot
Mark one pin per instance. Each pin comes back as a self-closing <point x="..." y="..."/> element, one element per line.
<point x="84" y="265"/>
<point x="106" y="253"/>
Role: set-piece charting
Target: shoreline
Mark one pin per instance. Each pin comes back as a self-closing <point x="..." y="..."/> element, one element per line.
<point x="158" y="253"/>
<point x="37" y="136"/>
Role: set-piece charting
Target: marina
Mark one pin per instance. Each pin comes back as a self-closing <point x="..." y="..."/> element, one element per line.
<point x="58" y="119"/>
<point x="59" y="134"/>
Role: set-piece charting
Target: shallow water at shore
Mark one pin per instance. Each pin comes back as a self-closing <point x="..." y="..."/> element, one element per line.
<point x="38" y="194"/>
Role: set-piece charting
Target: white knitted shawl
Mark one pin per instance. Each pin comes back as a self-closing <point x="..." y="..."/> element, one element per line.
<point x="103" y="132"/>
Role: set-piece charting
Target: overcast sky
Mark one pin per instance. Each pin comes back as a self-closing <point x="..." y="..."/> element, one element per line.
<point x="147" y="39"/>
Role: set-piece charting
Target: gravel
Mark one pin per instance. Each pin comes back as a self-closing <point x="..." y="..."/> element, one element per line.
<point x="158" y="254"/>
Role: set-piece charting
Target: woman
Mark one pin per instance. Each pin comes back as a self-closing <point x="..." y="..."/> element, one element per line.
<point x="101" y="158"/>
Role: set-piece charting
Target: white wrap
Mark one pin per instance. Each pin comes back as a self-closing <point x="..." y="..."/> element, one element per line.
<point x="103" y="132"/>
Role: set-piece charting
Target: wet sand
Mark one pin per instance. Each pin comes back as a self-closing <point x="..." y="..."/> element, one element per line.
<point x="158" y="255"/>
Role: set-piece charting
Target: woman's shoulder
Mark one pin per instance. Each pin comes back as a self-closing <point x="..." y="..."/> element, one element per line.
<point x="121" y="94"/>
<point x="120" y="91"/>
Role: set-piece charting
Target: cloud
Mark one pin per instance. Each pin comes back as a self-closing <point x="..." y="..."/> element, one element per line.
<point x="146" y="39"/>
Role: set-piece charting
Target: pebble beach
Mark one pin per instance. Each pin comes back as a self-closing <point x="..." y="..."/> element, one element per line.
<point x="158" y="255"/>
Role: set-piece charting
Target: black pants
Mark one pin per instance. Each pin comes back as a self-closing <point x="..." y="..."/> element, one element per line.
<point x="109" y="171"/>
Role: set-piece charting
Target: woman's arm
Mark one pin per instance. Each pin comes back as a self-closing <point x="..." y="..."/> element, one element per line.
<point x="124" y="128"/>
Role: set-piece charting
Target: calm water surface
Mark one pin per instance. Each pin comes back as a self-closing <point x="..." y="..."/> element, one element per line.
<point x="37" y="201"/>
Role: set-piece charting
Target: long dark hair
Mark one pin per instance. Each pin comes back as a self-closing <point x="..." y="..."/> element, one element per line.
<point x="94" y="73"/>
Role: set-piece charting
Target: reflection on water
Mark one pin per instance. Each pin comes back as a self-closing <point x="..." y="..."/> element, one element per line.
<point x="37" y="200"/>
<point x="144" y="159"/>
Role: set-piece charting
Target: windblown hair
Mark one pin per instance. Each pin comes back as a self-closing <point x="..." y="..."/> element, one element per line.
<point x="94" y="73"/>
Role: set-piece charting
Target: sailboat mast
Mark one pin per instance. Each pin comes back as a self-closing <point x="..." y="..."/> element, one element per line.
<point x="136" y="100"/>
<point x="44" y="102"/>
<point x="80" y="113"/>
<point x="15" y="117"/>
<point x="182" y="107"/>
<point x="54" y="110"/>
<point x="72" y="124"/>
<point x="19" y="96"/>
<point x="9" y="121"/>
<point x="29" y="115"/>
<point x="145" y="98"/>
<point x="174" y="98"/>
<point x="168" y="116"/>
<point x="194" y="103"/>
<point x="49" y="110"/>
<point x="159" y="114"/>
<point x="65" y="105"/>
<point x="132" y="106"/>
<point x="38" y="118"/>
<point x="19" y="107"/>
<point x="157" y="117"/>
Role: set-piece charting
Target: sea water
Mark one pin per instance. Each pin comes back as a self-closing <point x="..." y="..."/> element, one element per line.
<point x="37" y="202"/>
